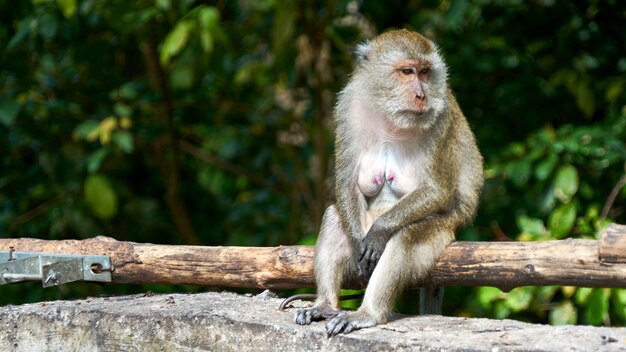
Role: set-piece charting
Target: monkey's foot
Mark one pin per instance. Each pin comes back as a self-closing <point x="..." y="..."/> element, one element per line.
<point x="348" y="322"/>
<point x="306" y="316"/>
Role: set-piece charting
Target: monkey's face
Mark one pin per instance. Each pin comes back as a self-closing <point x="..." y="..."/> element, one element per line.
<point x="411" y="77"/>
<point x="416" y="89"/>
<point x="406" y="77"/>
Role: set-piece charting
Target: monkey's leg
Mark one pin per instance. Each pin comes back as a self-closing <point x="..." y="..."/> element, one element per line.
<point x="405" y="260"/>
<point x="332" y="254"/>
<point x="381" y="292"/>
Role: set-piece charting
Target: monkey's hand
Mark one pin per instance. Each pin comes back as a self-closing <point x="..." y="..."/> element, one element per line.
<point x="371" y="250"/>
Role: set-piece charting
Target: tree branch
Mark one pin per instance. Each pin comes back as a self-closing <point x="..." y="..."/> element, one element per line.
<point x="169" y="169"/>
<point x="501" y="264"/>
<point x="608" y="204"/>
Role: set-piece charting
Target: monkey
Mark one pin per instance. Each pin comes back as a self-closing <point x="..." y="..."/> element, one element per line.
<point x="408" y="175"/>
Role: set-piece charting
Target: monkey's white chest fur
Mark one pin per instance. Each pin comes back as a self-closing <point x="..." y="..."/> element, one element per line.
<point x="383" y="172"/>
<point x="386" y="173"/>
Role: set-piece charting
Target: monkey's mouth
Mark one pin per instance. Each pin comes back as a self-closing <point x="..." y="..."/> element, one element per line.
<point x="414" y="112"/>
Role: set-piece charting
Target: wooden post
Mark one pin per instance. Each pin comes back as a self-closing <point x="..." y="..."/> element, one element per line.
<point x="613" y="244"/>
<point x="505" y="265"/>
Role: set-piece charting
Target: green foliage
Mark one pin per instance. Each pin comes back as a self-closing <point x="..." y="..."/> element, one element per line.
<point x="552" y="177"/>
<point x="562" y="305"/>
<point x="100" y="196"/>
<point x="190" y="123"/>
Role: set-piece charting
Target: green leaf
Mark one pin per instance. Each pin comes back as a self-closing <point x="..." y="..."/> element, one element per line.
<point x="545" y="167"/>
<point x="519" y="172"/>
<point x="124" y="140"/>
<point x="584" y="98"/>
<point x="163" y="4"/>
<point x="206" y="40"/>
<point x="68" y="7"/>
<point x="615" y="90"/>
<point x="532" y="226"/>
<point x="562" y="220"/>
<point x="208" y="17"/>
<point x="122" y="110"/>
<point x="48" y="25"/>
<point x="175" y="41"/>
<point x="100" y="196"/>
<point x="95" y="160"/>
<point x="129" y="91"/>
<point x="86" y="129"/>
<point x="598" y="307"/>
<point x="583" y="294"/>
<point x="213" y="180"/>
<point x="546" y="200"/>
<point x="23" y="31"/>
<point x="566" y="183"/>
<point x="519" y="299"/>
<point x="182" y="77"/>
<point x="9" y="108"/>
<point x="618" y="296"/>
<point x="456" y="12"/>
<point x="564" y="313"/>
<point x="486" y="295"/>
<point x="501" y="310"/>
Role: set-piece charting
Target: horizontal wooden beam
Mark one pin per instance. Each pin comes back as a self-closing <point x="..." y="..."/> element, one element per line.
<point x="505" y="265"/>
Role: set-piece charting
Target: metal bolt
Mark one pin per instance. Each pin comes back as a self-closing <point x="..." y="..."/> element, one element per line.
<point x="53" y="277"/>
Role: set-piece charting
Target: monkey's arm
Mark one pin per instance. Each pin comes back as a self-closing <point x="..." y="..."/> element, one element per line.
<point x="420" y="204"/>
<point x="352" y="206"/>
<point x="351" y="202"/>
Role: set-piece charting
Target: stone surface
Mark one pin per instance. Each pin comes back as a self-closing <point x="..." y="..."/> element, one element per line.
<point x="231" y="322"/>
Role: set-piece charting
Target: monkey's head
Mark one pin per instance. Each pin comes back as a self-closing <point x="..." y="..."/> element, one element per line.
<point x="405" y="76"/>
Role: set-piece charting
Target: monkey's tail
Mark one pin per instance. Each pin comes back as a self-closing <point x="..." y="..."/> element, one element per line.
<point x="312" y="296"/>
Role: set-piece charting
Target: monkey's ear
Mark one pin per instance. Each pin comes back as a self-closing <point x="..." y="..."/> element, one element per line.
<point x="362" y="51"/>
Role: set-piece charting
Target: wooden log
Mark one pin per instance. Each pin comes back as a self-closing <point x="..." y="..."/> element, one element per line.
<point x="613" y="244"/>
<point x="144" y="263"/>
<point x="501" y="264"/>
<point x="507" y="265"/>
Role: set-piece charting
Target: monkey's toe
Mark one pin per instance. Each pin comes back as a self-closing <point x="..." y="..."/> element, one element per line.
<point x="306" y="316"/>
<point x="345" y="323"/>
<point x="303" y="317"/>
<point x="338" y="325"/>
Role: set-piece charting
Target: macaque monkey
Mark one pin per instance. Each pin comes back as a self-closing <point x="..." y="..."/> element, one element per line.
<point x="408" y="175"/>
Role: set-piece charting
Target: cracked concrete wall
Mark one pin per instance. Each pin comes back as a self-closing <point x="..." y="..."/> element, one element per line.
<point x="231" y="322"/>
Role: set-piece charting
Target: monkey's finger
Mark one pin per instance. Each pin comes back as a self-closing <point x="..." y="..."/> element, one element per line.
<point x="371" y="268"/>
<point x="361" y="271"/>
<point x="368" y="255"/>
<point x="372" y="263"/>
<point x="362" y="252"/>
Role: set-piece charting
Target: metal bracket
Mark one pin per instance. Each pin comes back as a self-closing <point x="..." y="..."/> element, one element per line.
<point x="53" y="269"/>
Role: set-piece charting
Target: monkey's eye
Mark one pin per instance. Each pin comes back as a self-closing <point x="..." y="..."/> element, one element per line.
<point x="424" y="70"/>
<point x="407" y="70"/>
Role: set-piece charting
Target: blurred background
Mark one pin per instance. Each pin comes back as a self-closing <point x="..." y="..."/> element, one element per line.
<point x="209" y="122"/>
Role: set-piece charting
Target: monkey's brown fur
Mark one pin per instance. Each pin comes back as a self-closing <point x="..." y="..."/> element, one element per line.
<point x="408" y="175"/>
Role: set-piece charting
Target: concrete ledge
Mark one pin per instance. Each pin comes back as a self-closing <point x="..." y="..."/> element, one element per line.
<point x="231" y="322"/>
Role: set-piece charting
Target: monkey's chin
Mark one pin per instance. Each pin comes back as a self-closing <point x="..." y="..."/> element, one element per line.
<point x="412" y="119"/>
